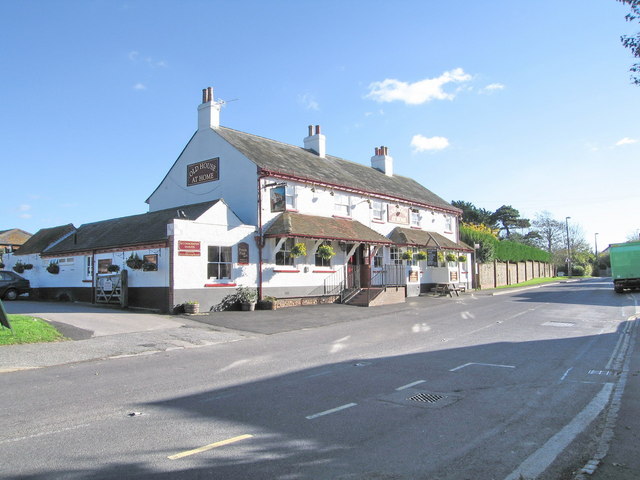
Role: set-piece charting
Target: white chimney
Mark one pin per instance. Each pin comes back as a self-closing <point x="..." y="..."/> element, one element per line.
<point x="208" y="111"/>
<point x="316" y="142"/>
<point x="382" y="161"/>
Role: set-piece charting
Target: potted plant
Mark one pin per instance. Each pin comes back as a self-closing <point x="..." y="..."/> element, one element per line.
<point x="191" y="306"/>
<point x="421" y="255"/>
<point x="299" y="250"/>
<point x="134" y="262"/>
<point x="113" y="268"/>
<point x="18" y="267"/>
<point x="326" y="252"/>
<point x="267" y="303"/>
<point x="247" y="297"/>
<point x="53" y="267"/>
<point x="451" y="257"/>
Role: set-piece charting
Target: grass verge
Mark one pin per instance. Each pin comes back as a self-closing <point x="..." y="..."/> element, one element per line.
<point x="27" y="329"/>
<point x="538" y="281"/>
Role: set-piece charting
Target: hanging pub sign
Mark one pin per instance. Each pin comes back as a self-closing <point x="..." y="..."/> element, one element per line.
<point x="243" y="253"/>
<point x="398" y="214"/>
<point x="203" y="172"/>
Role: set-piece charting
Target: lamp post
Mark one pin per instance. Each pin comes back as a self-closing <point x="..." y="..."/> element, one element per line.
<point x="595" y="239"/>
<point x="596" y="266"/>
<point x="566" y="220"/>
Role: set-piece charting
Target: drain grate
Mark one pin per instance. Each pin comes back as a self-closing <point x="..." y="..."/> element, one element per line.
<point x="426" y="397"/>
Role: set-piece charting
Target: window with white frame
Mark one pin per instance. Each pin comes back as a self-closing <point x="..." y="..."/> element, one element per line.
<point x="291" y="197"/>
<point x="378" y="258"/>
<point x="448" y="223"/>
<point x="219" y="262"/>
<point x="395" y="256"/>
<point x="88" y="267"/>
<point x="377" y="210"/>
<point x="415" y="217"/>
<point x="284" y="257"/>
<point x="342" y="205"/>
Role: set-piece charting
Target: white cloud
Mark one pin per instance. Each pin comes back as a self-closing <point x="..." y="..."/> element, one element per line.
<point x="308" y="101"/>
<point x="133" y="55"/>
<point x="139" y="86"/>
<point x="626" y="141"/>
<point x="420" y="143"/>
<point x="26" y="215"/>
<point x="492" y="87"/>
<point x="24" y="207"/>
<point x="423" y="91"/>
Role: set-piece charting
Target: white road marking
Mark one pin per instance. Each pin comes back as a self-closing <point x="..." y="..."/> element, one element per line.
<point x="333" y="410"/>
<point x="565" y="374"/>
<point x="540" y="460"/>
<point x="320" y="374"/>
<point x="483" y="364"/>
<point x="404" y="387"/>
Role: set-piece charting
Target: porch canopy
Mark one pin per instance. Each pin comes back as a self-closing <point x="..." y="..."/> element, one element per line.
<point x="422" y="238"/>
<point x="290" y="224"/>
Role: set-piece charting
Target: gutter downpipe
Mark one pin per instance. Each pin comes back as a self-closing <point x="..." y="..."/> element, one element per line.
<point x="260" y="239"/>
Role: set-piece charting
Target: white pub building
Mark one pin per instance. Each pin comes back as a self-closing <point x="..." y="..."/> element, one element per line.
<point x="236" y="209"/>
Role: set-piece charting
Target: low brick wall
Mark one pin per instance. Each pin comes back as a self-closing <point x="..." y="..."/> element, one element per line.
<point x="301" y="301"/>
<point x="499" y="274"/>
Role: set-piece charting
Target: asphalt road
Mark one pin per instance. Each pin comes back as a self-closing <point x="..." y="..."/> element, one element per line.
<point x="480" y="387"/>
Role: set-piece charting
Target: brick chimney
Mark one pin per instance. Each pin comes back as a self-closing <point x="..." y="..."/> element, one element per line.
<point x="316" y="141"/>
<point x="208" y="111"/>
<point x="382" y="161"/>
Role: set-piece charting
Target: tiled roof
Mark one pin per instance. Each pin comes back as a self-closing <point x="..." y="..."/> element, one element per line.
<point x="422" y="238"/>
<point x="13" y="236"/>
<point x="287" y="159"/>
<point x="311" y="226"/>
<point x="140" y="229"/>
<point x="44" y="238"/>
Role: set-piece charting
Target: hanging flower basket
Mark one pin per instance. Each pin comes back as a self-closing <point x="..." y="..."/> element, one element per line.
<point x="462" y="258"/>
<point x="53" y="268"/>
<point x="2" y="265"/>
<point x="28" y="266"/>
<point x="134" y="262"/>
<point x="421" y="255"/>
<point x="451" y="257"/>
<point x="113" y="268"/>
<point x="407" y="255"/>
<point x="299" y="250"/>
<point x="18" y="267"/>
<point x="326" y="252"/>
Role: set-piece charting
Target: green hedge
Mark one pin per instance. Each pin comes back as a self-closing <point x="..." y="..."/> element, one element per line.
<point x="504" y="250"/>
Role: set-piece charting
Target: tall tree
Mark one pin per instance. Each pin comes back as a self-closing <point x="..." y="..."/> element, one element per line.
<point x="550" y="229"/>
<point x="473" y="214"/>
<point x="509" y="218"/>
<point x="632" y="42"/>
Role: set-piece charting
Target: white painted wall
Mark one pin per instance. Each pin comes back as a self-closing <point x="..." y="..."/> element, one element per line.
<point x="237" y="178"/>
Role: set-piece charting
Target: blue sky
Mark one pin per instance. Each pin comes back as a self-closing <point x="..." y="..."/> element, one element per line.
<point x="497" y="102"/>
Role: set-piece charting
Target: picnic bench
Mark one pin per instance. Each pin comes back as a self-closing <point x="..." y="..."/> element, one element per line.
<point x="449" y="289"/>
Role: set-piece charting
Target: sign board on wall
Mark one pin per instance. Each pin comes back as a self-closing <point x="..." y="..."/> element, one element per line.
<point x="188" y="248"/>
<point x="398" y="214"/>
<point x="243" y="253"/>
<point x="203" y="172"/>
